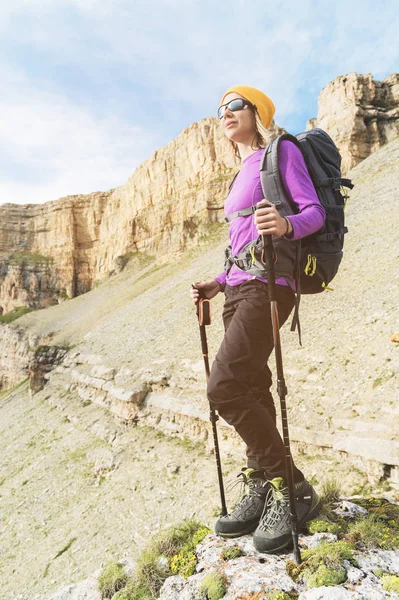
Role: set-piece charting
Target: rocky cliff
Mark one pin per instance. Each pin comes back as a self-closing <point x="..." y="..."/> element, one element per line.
<point x="360" y="114"/>
<point x="59" y="249"/>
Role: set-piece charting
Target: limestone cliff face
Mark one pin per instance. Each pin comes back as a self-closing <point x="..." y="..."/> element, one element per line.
<point x="360" y="114"/>
<point x="171" y="198"/>
<point x="46" y="249"/>
<point x="60" y="248"/>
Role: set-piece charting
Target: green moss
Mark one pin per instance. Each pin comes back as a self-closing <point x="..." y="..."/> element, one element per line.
<point x="232" y="552"/>
<point x="379" y="572"/>
<point x="325" y="576"/>
<point x="14" y="314"/>
<point x="390" y="583"/>
<point x="213" y="586"/>
<point x="322" y="525"/>
<point x="279" y="595"/>
<point x="383" y="510"/>
<point x="112" y="579"/>
<point x="323" y="563"/>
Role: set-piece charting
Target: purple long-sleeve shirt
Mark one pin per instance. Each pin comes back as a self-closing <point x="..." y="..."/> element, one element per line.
<point x="247" y="191"/>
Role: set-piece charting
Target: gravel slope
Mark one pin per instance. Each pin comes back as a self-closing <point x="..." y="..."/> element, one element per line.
<point x="73" y="472"/>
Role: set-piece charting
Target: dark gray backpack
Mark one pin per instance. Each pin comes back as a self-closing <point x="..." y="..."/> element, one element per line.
<point x="318" y="255"/>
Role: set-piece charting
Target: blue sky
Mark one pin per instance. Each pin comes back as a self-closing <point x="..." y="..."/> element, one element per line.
<point x="90" y="88"/>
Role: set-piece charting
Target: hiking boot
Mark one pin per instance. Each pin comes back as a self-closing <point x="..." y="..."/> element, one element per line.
<point x="274" y="531"/>
<point x="247" y="513"/>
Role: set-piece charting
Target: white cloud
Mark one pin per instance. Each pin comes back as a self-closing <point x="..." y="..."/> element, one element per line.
<point x="185" y="52"/>
<point x="55" y="148"/>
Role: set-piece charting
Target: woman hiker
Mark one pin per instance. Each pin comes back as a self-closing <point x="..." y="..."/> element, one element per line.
<point x="240" y="379"/>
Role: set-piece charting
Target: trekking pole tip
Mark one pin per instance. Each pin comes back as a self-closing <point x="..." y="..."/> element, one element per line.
<point x="297" y="556"/>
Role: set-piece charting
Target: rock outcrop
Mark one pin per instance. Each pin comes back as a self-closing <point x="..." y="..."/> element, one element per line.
<point x="15" y="354"/>
<point x="360" y="114"/>
<point x="58" y="249"/>
<point x="335" y="566"/>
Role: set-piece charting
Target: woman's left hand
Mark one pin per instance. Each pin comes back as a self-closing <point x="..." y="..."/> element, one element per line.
<point x="268" y="221"/>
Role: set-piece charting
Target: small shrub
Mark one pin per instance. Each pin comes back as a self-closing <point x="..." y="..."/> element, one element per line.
<point x="329" y="553"/>
<point x="232" y="552"/>
<point x="150" y="575"/>
<point x="331" y="491"/>
<point x="112" y="579"/>
<point x="369" y="532"/>
<point x="187" y="536"/>
<point x="183" y="563"/>
<point x="213" y="586"/>
<point x="384" y="511"/>
<point x="176" y="545"/>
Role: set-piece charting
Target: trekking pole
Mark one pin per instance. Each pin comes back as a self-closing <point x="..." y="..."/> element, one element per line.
<point x="204" y="318"/>
<point x="268" y="261"/>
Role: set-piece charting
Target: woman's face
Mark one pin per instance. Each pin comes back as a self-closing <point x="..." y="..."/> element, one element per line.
<point x="238" y="126"/>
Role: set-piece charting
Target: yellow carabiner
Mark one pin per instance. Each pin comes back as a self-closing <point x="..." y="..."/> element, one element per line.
<point x="314" y="261"/>
<point x="252" y="251"/>
<point x="307" y="266"/>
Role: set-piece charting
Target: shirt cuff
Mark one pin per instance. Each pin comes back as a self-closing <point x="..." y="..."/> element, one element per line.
<point x="291" y="235"/>
<point x="221" y="279"/>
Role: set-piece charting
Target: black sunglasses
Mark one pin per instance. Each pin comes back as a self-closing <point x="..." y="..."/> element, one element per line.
<point x="233" y="105"/>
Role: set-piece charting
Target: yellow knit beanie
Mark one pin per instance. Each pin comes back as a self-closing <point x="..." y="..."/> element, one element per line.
<point x="263" y="103"/>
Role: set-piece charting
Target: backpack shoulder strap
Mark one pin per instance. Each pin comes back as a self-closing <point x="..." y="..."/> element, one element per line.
<point x="273" y="190"/>
<point x="269" y="169"/>
<point x="245" y="212"/>
<point x="233" y="180"/>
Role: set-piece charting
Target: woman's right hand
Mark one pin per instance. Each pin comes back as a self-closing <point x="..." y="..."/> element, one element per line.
<point x="209" y="288"/>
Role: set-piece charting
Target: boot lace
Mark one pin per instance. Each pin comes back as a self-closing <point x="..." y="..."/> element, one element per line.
<point x="246" y="487"/>
<point x="276" y="506"/>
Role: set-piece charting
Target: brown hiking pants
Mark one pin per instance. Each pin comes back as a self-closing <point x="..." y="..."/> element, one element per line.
<point x="240" y="379"/>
